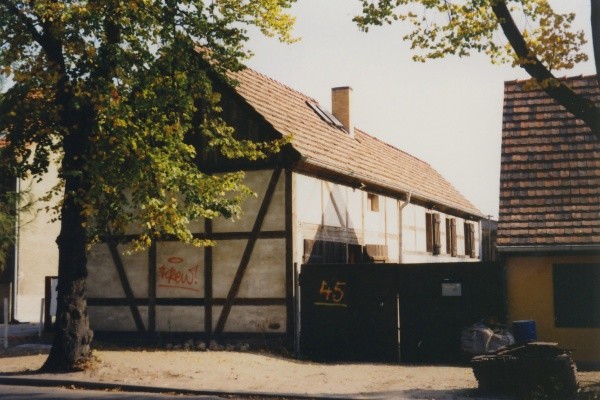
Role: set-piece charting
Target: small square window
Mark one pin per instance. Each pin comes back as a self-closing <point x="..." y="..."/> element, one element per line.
<point x="373" y="202"/>
<point x="576" y="295"/>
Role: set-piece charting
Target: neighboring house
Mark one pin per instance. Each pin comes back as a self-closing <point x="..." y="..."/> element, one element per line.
<point x="549" y="227"/>
<point x="489" y="236"/>
<point x="334" y="195"/>
<point x="35" y="254"/>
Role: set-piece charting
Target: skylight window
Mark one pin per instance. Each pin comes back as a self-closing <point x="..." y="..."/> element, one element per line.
<point x="326" y="115"/>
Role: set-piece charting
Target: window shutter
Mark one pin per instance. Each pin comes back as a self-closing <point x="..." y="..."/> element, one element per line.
<point x="428" y="232"/>
<point x="437" y="240"/>
<point x="448" y="236"/>
<point x="472" y="240"/>
<point x="453" y="237"/>
<point x="467" y="239"/>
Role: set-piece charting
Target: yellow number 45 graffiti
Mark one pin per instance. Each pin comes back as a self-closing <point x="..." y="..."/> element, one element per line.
<point x="334" y="295"/>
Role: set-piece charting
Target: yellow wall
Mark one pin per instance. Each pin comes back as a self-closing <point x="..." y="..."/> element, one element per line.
<point x="531" y="296"/>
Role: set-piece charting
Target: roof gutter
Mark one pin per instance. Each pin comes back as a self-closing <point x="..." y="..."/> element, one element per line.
<point x="362" y="177"/>
<point x="406" y="202"/>
<point x="548" y="249"/>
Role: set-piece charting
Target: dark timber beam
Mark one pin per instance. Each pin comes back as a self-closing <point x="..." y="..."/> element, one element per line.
<point x="237" y="280"/>
<point x="135" y="313"/>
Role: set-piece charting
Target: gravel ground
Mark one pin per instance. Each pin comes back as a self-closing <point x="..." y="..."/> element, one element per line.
<point x="264" y="373"/>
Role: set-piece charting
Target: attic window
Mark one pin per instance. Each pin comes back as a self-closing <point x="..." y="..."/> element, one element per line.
<point x="373" y="202"/>
<point x="325" y="115"/>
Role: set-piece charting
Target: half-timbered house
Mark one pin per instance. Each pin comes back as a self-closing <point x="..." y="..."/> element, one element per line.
<point x="334" y="195"/>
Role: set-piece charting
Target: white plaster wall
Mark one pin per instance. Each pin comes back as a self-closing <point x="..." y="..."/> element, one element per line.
<point x="103" y="279"/>
<point x="37" y="252"/>
<point x="308" y="199"/>
<point x="355" y="207"/>
<point x="265" y="274"/>
<point x="317" y="218"/>
<point x="257" y="319"/>
<point x="334" y="205"/>
<point x="414" y="244"/>
<point x="258" y="182"/>
<point x="375" y="222"/>
<point x="115" y="318"/>
<point x="179" y="270"/>
<point x="179" y="319"/>
<point x="180" y="273"/>
<point x="392" y="239"/>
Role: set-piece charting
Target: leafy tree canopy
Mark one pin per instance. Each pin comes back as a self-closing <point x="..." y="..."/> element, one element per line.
<point x="118" y="91"/>
<point x="543" y="43"/>
<point x="124" y="76"/>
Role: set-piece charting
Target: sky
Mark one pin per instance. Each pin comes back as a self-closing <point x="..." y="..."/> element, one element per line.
<point x="446" y="112"/>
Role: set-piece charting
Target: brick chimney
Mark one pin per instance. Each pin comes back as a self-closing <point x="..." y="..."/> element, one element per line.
<point x="340" y="107"/>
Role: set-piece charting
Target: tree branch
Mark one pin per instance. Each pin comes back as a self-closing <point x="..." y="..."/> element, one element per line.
<point x="577" y="105"/>
<point x="27" y="22"/>
<point x="595" y="21"/>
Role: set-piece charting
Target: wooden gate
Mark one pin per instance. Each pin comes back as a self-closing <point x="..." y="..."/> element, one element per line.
<point x="347" y="314"/>
<point x="395" y="312"/>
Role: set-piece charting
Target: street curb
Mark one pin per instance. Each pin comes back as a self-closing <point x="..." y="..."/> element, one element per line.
<point x="41" y="382"/>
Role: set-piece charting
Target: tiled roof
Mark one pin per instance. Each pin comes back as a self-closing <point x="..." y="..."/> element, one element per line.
<point x="550" y="170"/>
<point x="324" y="146"/>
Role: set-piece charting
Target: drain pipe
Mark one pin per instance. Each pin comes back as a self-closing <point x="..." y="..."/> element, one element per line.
<point x="400" y="208"/>
<point x="15" y="284"/>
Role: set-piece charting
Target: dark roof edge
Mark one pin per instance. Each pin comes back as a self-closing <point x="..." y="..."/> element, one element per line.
<point x="548" y="248"/>
<point x="560" y="78"/>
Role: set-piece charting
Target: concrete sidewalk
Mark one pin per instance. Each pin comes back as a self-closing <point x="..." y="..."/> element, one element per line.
<point x="24" y="380"/>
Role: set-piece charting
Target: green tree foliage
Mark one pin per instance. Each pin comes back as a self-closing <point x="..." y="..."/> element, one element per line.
<point x="119" y="91"/>
<point x="544" y="43"/>
<point x="7" y="229"/>
<point x="14" y="206"/>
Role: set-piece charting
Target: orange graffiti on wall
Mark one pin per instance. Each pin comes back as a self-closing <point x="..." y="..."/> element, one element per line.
<point x="177" y="275"/>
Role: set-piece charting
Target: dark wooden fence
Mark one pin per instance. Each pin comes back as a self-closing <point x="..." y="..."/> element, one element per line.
<point x="395" y="312"/>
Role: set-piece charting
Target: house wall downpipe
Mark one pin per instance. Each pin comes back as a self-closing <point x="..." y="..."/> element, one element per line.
<point x="400" y="208"/>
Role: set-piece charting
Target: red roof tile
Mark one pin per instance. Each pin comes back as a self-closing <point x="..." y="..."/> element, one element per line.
<point x="325" y="146"/>
<point x="550" y="170"/>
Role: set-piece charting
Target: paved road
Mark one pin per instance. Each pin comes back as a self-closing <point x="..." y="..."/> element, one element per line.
<point x="8" y="392"/>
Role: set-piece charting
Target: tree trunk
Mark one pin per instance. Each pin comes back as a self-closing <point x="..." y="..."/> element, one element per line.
<point x="595" y="22"/>
<point x="71" y="346"/>
<point x="72" y="336"/>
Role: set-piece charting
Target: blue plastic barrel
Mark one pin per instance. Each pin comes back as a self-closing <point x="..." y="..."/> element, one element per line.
<point x="524" y="331"/>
